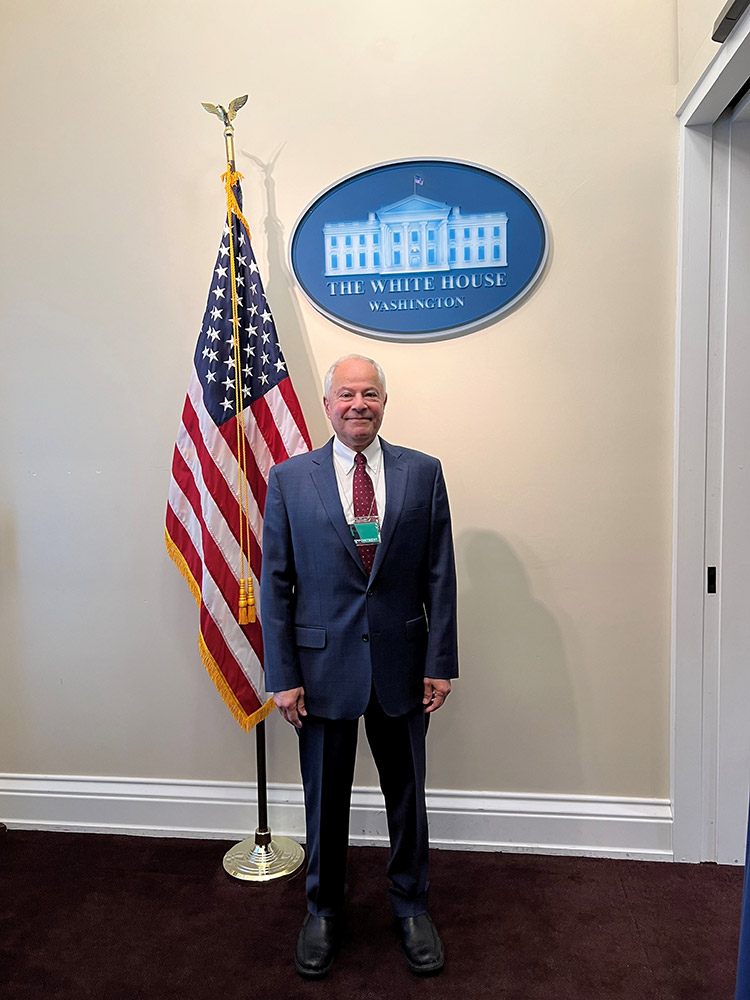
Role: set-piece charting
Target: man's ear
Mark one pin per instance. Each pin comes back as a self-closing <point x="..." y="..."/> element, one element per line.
<point x="325" y="407"/>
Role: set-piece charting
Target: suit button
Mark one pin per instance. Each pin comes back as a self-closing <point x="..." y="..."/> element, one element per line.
<point x="365" y="637"/>
<point x="370" y="592"/>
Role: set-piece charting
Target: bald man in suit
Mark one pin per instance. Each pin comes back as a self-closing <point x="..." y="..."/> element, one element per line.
<point x="358" y="603"/>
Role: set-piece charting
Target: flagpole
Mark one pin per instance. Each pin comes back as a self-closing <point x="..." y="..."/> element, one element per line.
<point x="262" y="857"/>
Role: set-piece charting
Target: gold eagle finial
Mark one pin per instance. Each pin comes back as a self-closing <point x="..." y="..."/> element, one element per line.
<point x="227" y="115"/>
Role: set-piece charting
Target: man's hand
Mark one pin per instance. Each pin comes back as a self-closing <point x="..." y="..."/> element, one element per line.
<point x="435" y="693"/>
<point x="291" y="704"/>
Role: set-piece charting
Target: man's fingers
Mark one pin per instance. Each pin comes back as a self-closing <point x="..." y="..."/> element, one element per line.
<point x="436" y="701"/>
<point x="435" y="693"/>
<point x="292" y="716"/>
<point x="291" y="704"/>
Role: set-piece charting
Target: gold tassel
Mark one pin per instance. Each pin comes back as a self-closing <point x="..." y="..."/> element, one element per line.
<point x="250" y="601"/>
<point x="246" y="609"/>
<point x="243" y="617"/>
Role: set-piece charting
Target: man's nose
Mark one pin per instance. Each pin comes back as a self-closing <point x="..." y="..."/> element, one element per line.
<point x="359" y="402"/>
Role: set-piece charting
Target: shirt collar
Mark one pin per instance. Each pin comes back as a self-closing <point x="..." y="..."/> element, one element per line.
<point x="373" y="453"/>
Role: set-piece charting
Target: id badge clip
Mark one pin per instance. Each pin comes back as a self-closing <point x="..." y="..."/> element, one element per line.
<point x="365" y="531"/>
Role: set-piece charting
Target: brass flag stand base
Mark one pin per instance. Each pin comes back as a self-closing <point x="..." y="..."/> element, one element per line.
<point x="262" y="858"/>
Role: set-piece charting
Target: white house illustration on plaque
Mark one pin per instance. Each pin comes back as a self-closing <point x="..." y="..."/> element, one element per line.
<point x="416" y="234"/>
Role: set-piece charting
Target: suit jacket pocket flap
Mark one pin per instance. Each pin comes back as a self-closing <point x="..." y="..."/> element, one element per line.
<point x="311" y="637"/>
<point x="416" y="628"/>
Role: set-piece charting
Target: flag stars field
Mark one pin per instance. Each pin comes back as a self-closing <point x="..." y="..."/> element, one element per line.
<point x="218" y="327"/>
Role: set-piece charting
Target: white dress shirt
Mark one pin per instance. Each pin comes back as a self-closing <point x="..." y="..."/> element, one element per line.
<point x="343" y="463"/>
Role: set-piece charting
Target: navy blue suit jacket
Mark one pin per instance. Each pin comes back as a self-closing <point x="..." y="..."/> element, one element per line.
<point x="329" y="628"/>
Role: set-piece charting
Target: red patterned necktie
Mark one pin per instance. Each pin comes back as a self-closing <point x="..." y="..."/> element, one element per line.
<point x="364" y="505"/>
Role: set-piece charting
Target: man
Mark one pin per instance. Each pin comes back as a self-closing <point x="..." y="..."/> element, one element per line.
<point x="359" y="619"/>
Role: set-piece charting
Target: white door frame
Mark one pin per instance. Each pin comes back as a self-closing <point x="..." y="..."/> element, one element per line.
<point x="690" y="725"/>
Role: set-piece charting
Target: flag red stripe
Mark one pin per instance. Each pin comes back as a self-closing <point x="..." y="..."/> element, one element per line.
<point x="184" y="543"/>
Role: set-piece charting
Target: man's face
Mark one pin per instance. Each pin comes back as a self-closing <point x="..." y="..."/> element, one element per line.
<point x="357" y="402"/>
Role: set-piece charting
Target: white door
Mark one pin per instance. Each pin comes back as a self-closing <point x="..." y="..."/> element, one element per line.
<point x="726" y="692"/>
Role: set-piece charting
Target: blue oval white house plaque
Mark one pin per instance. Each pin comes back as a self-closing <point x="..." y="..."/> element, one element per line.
<point x="418" y="249"/>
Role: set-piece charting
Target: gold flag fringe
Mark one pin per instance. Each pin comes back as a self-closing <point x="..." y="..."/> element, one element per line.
<point x="247" y="722"/>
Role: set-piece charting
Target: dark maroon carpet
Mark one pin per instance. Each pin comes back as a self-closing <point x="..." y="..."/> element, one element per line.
<point x="86" y="917"/>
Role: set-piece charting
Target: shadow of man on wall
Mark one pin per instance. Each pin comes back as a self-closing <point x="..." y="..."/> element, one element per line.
<point x="513" y="661"/>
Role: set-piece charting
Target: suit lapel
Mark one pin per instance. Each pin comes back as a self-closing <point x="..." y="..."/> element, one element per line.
<point x="396" y="477"/>
<point x="324" y="478"/>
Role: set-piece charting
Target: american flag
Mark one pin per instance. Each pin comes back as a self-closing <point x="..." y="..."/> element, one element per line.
<point x="203" y="512"/>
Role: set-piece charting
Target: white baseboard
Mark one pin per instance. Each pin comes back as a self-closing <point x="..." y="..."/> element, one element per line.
<point x="585" y="825"/>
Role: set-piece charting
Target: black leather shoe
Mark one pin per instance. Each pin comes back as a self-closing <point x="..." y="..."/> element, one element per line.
<point x="316" y="946"/>
<point x="421" y="944"/>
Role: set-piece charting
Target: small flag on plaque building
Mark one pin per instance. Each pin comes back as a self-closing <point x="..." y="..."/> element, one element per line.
<point x="241" y="416"/>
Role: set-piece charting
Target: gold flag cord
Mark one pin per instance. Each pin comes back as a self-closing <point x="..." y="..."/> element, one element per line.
<point x="246" y="609"/>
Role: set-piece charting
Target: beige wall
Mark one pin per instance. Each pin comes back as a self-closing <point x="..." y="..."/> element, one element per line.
<point x="554" y="424"/>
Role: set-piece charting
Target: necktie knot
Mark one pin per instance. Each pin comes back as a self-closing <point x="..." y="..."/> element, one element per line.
<point x="359" y="460"/>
